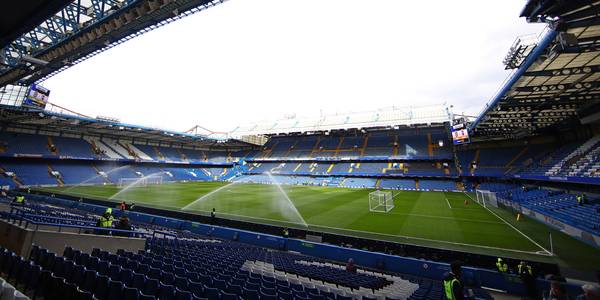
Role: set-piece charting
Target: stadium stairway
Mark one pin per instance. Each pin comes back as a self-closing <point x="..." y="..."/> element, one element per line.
<point x="338" y="148"/>
<point x="51" y="146"/>
<point x="15" y="179"/>
<point x="136" y="151"/>
<point x="97" y="143"/>
<point x="118" y="148"/>
<point x="364" y="146"/>
<point x="104" y="178"/>
<point x="58" y="177"/>
<point x="474" y="162"/>
<point x="184" y="157"/>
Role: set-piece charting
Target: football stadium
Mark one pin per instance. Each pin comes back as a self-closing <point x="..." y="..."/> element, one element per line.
<point x="415" y="202"/>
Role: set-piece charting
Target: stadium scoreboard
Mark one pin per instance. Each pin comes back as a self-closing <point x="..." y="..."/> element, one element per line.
<point x="36" y="97"/>
<point x="460" y="133"/>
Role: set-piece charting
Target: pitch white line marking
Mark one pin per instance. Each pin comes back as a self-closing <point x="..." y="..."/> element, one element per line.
<point x="431" y="240"/>
<point x="450" y="206"/>
<point x="384" y="234"/>
<point x="547" y="253"/>
<point x="205" y="196"/>
<point x="513" y="227"/>
<point x="445" y="218"/>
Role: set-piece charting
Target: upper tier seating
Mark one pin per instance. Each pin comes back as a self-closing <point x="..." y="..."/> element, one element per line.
<point x="402" y="143"/>
<point x="22" y="144"/>
<point x="363" y="168"/>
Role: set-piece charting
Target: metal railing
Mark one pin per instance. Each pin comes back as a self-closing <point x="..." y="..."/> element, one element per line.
<point x="27" y="221"/>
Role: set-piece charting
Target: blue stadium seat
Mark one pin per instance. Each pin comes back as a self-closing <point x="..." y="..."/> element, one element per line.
<point x="114" y="272"/>
<point x="197" y="288"/>
<point x="130" y="293"/>
<point x="220" y="284"/>
<point x="115" y="289"/>
<point x="89" y="280"/>
<point x="234" y="289"/>
<point x="101" y="290"/>
<point x="181" y="283"/>
<point x="228" y="296"/>
<point x="33" y="277"/>
<point x="182" y="295"/>
<point x="250" y="294"/>
<point x="285" y="295"/>
<point x="151" y="287"/>
<point x="267" y="296"/>
<point x="138" y="281"/>
<point x="146" y="297"/>
<point x="154" y="273"/>
<point x="167" y="278"/>
<point x="103" y="267"/>
<point x="211" y="293"/>
<point x="167" y="292"/>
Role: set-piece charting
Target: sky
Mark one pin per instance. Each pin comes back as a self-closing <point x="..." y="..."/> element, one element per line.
<point x="242" y="62"/>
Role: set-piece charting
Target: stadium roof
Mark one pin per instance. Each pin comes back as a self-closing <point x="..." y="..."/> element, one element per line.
<point x="47" y="122"/>
<point x="387" y="117"/>
<point x="557" y="83"/>
<point x="19" y="17"/>
<point x="40" y="38"/>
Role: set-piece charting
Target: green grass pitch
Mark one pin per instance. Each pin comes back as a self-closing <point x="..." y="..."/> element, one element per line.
<point x="433" y="219"/>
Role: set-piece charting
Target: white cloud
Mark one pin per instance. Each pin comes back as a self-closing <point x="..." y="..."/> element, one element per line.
<point x="245" y="61"/>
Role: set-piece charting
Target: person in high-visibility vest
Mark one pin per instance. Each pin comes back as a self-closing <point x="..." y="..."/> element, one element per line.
<point x="106" y="220"/>
<point x="453" y="287"/>
<point x="501" y="266"/>
<point x="525" y="271"/>
<point x="579" y="200"/>
<point x="20" y="199"/>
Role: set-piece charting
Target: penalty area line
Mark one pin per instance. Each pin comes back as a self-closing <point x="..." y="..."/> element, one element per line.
<point x="511" y="226"/>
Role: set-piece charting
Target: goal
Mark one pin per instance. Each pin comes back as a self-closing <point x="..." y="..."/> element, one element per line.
<point x="123" y="182"/>
<point x="486" y="198"/>
<point x="381" y="201"/>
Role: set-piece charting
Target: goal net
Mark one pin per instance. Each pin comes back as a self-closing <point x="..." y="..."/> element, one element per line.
<point x="123" y="182"/>
<point x="486" y="198"/>
<point x="381" y="201"/>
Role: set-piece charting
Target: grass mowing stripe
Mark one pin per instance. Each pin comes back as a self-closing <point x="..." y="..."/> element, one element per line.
<point x="431" y="240"/>
<point x="513" y="227"/>
<point x="445" y="218"/>
<point x="207" y="195"/>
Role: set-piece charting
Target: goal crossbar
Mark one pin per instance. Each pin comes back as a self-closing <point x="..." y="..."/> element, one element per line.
<point x="123" y="182"/>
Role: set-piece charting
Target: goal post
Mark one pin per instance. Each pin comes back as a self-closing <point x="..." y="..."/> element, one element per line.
<point x="381" y="201"/>
<point x="486" y="198"/>
<point x="143" y="181"/>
